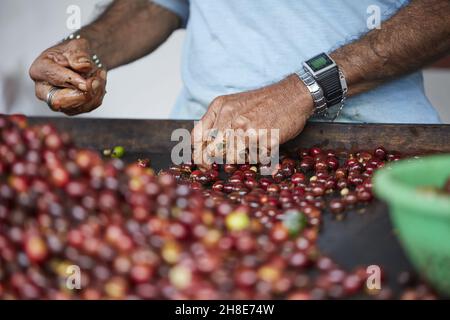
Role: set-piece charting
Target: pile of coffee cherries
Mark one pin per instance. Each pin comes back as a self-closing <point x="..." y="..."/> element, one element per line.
<point x="76" y="226"/>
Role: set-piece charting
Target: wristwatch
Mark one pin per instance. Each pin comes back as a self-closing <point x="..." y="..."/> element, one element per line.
<point x="330" y="79"/>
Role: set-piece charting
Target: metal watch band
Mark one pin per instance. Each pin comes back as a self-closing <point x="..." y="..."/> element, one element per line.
<point x="95" y="58"/>
<point x="331" y="86"/>
<point x="320" y="103"/>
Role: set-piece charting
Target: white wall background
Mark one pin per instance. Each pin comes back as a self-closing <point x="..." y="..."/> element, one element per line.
<point x="145" y="89"/>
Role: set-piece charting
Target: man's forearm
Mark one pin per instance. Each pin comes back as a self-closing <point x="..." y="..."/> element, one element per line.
<point x="417" y="35"/>
<point x="129" y="30"/>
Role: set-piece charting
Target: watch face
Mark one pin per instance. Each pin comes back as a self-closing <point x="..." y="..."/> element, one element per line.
<point x="319" y="62"/>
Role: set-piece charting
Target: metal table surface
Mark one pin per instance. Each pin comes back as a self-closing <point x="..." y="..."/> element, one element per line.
<point x="366" y="236"/>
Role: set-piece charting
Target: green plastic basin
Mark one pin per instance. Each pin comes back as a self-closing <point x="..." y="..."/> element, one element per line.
<point x="422" y="219"/>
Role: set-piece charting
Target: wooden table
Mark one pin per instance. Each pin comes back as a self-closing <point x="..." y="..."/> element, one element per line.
<point x="363" y="238"/>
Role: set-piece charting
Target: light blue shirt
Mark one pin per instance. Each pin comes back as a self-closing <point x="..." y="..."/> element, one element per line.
<point x="238" y="45"/>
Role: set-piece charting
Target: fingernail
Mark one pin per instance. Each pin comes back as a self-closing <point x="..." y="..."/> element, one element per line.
<point x="95" y="85"/>
<point x="84" y="60"/>
<point x="82" y="87"/>
<point x="103" y="74"/>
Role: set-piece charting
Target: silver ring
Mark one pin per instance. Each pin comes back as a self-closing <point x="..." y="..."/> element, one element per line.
<point x="50" y="95"/>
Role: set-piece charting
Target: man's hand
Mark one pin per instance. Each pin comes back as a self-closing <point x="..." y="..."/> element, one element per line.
<point x="69" y="66"/>
<point x="285" y="105"/>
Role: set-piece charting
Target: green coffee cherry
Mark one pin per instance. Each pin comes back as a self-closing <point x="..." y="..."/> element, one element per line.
<point x="118" y="152"/>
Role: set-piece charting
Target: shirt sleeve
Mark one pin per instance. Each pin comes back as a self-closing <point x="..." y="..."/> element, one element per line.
<point x="179" y="7"/>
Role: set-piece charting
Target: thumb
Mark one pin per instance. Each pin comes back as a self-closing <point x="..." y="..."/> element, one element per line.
<point x="79" y="60"/>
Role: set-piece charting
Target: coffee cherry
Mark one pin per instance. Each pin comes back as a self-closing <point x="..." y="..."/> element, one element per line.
<point x="249" y="174"/>
<point x="287" y="169"/>
<point x="364" y="196"/>
<point x="336" y="276"/>
<point x="228" y="187"/>
<point x="350" y="199"/>
<point x="53" y="141"/>
<point x="336" y="206"/>
<point x="380" y="153"/>
<point x="278" y="176"/>
<point x="218" y="186"/>
<point x="264" y="183"/>
<point x="298" y="178"/>
<point x="235" y="179"/>
<point x="306" y="164"/>
<point x="141" y="273"/>
<point x="204" y="179"/>
<point x="341" y="173"/>
<point x="299" y="260"/>
<point x="116" y="288"/>
<point x="279" y="233"/>
<point x="321" y="166"/>
<point x="229" y="168"/>
<point x="251" y="183"/>
<point x="35" y="247"/>
<point x="315" y="151"/>
<point x="143" y="163"/>
<point x="118" y="152"/>
<point x="59" y="176"/>
<point x="18" y="119"/>
<point x="245" y="277"/>
<point x="273" y="188"/>
<point x="332" y="163"/>
<point x="325" y="263"/>
<point x="237" y="220"/>
<point x="341" y="184"/>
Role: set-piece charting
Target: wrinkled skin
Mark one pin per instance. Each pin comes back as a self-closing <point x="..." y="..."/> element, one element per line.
<point x="69" y="66"/>
<point x="285" y="105"/>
